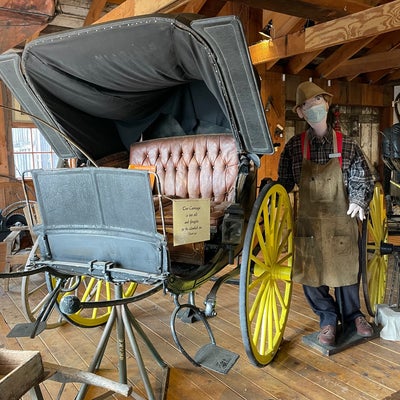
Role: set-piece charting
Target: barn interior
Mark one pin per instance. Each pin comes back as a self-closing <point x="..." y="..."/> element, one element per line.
<point x="90" y="96"/>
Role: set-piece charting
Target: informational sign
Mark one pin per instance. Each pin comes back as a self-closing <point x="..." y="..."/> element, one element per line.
<point x="191" y="220"/>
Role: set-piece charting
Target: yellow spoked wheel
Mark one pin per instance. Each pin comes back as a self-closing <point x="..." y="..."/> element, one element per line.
<point x="266" y="274"/>
<point x="89" y="289"/>
<point x="374" y="262"/>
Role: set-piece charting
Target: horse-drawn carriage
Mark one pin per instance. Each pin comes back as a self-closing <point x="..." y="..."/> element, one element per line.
<point x="177" y="100"/>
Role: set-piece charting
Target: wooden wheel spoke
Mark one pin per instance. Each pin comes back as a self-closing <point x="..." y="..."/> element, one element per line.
<point x="257" y="301"/>
<point x="261" y="242"/>
<point x="260" y="315"/>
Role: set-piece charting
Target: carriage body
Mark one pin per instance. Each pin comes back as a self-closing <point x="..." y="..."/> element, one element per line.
<point x="161" y="91"/>
<point x="168" y="77"/>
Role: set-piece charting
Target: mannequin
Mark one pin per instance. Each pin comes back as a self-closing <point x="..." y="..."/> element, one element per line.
<point x="335" y="188"/>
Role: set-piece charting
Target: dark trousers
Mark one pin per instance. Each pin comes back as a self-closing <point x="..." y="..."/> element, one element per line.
<point x="329" y="309"/>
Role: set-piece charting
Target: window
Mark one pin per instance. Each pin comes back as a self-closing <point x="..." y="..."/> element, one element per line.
<point x="31" y="150"/>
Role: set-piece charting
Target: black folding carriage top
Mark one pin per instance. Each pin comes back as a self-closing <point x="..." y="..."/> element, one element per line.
<point x="108" y="85"/>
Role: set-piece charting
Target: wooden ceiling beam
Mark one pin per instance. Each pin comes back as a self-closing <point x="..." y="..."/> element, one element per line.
<point x="394" y="76"/>
<point x="131" y="8"/>
<point x="297" y="63"/>
<point x="386" y="42"/>
<point x="376" y="76"/>
<point x="341" y="55"/>
<point x="370" y="63"/>
<point x="316" y="10"/>
<point x="194" y="6"/>
<point x="364" y="24"/>
<point x="211" y="8"/>
<point x="95" y="11"/>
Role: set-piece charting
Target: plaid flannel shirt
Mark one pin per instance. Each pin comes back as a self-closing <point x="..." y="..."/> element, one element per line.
<point x="357" y="176"/>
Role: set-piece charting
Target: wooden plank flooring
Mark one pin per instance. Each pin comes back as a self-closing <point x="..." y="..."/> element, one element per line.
<point x="370" y="370"/>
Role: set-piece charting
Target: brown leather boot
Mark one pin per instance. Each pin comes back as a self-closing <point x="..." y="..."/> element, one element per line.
<point x="364" y="329"/>
<point x="327" y="335"/>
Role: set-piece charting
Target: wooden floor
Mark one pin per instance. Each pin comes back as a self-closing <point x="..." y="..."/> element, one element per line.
<point x="370" y="370"/>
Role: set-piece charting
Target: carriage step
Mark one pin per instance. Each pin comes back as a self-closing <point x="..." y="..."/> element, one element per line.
<point x="216" y="358"/>
<point x="27" y="330"/>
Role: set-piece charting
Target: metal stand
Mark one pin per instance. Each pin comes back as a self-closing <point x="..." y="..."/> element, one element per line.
<point x="125" y="322"/>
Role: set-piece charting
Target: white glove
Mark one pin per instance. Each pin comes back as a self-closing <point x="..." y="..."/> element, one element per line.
<point x="355" y="209"/>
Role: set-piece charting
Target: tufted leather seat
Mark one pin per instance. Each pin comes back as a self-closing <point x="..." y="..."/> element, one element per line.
<point x="200" y="166"/>
<point x="196" y="166"/>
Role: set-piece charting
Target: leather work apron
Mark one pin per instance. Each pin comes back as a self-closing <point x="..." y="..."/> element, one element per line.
<point x="326" y="240"/>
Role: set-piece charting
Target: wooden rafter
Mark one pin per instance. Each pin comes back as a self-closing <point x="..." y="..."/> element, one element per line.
<point x="373" y="77"/>
<point x="394" y="76"/>
<point x="130" y="8"/>
<point x="297" y="63"/>
<point x="364" y="24"/>
<point x="95" y="10"/>
<point x="383" y="43"/>
<point x="194" y="6"/>
<point x="341" y="55"/>
<point x="370" y="63"/>
<point x="212" y="7"/>
<point x="317" y="10"/>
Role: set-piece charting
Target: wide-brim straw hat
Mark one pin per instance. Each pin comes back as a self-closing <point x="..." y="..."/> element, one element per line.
<point x="308" y="90"/>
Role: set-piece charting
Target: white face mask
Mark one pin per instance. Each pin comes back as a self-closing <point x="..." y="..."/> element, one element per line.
<point x="315" y="114"/>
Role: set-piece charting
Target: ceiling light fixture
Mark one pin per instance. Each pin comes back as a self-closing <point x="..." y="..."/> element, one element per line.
<point x="267" y="30"/>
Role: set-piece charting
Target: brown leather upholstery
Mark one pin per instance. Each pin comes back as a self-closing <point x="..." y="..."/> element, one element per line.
<point x="198" y="166"/>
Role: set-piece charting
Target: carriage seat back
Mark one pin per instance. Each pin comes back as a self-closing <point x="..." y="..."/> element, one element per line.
<point x="195" y="166"/>
<point x="99" y="215"/>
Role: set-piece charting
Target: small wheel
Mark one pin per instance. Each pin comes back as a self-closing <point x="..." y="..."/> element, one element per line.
<point x="266" y="274"/>
<point x="375" y="265"/>
<point x="89" y="289"/>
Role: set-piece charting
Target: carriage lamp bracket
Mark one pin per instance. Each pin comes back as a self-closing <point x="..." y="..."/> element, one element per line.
<point x="232" y="228"/>
<point x="232" y="225"/>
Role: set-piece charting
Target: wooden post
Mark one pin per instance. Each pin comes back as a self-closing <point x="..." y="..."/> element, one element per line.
<point x="5" y="134"/>
<point x="273" y="96"/>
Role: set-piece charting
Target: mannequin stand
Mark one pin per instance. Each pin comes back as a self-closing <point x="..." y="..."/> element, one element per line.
<point x="344" y="339"/>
